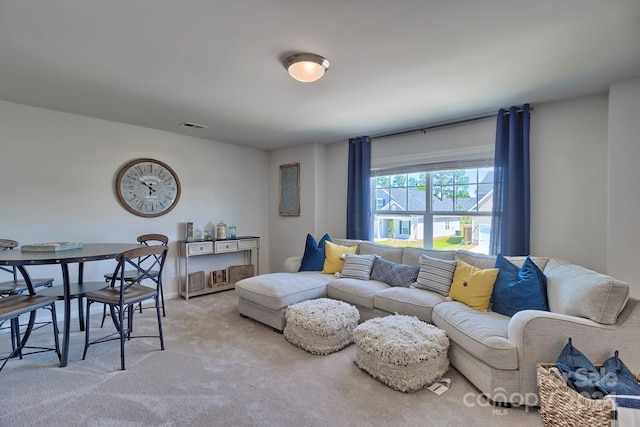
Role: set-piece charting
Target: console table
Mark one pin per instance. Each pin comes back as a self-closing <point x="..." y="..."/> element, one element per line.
<point x="249" y="245"/>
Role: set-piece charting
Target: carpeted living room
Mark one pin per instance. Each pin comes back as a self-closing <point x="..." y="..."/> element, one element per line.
<point x="330" y="194"/>
<point x="219" y="369"/>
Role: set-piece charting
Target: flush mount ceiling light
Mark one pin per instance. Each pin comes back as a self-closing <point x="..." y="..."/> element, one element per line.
<point x="306" y="67"/>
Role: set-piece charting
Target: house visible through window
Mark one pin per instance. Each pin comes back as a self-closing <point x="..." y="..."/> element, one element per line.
<point x="439" y="209"/>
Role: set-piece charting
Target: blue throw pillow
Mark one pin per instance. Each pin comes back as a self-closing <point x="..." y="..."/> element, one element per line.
<point x="580" y="374"/>
<point x="394" y="274"/>
<point x="519" y="289"/>
<point x="313" y="258"/>
<point x="617" y="378"/>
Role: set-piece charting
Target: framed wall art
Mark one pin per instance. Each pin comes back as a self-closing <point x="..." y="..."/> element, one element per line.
<point x="290" y="189"/>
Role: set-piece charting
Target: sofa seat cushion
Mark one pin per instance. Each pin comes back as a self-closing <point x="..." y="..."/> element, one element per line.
<point x="482" y="334"/>
<point x="355" y="291"/>
<point x="408" y="301"/>
<point x="279" y="290"/>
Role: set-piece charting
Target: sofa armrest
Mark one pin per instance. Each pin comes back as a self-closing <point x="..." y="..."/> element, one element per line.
<point x="540" y="336"/>
<point x="292" y="264"/>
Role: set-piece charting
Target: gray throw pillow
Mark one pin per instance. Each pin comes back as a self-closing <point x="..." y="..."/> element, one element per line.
<point x="357" y="266"/>
<point x="436" y="275"/>
<point x="394" y="274"/>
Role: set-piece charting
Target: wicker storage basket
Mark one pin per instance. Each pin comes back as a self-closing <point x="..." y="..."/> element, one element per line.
<point x="563" y="406"/>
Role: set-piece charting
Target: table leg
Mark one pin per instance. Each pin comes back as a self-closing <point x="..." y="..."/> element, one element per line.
<point x="67" y="315"/>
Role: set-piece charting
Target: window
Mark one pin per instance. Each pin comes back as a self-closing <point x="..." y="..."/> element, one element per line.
<point x="455" y="205"/>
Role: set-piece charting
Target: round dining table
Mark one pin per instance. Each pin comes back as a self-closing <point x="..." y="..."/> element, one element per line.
<point x="88" y="252"/>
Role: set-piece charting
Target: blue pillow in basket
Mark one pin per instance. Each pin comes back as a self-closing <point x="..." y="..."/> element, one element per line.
<point x="617" y="378"/>
<point x="580" y="374"/>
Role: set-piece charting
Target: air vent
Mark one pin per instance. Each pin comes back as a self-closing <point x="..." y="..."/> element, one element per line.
<point x="193" y="125"/>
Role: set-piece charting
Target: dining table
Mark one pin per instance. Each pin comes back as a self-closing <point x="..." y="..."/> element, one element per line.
<point x="86" y="253"/>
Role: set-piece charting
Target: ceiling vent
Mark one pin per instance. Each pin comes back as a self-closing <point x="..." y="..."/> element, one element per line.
<point x="193" y="125"/>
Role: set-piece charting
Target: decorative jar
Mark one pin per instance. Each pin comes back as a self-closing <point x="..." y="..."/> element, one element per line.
<point x="221" y="231"/>
<point x="232" y="231"/>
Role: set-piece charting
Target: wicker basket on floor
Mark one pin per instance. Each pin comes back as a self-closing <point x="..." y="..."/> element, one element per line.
<point x="563" y="406"/>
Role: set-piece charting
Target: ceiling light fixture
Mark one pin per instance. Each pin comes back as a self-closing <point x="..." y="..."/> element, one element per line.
<point x="306" y="67"/>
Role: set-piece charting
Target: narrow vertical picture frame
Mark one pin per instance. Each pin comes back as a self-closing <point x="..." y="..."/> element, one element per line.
<point x="290" y="189"/>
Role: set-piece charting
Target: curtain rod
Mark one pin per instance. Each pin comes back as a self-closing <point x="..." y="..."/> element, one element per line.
<point x="454" y="122"/>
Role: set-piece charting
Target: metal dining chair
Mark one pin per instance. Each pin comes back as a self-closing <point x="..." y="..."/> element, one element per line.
<point x="15" y="305"/>
<point x="17" y="286"/>
<point x="146" y="240"/>
<point x="122" y="295"/>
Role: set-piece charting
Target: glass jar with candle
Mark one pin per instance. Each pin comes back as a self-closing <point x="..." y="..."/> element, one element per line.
<point x="232" y="231"/>
<point x="221" y="231"/>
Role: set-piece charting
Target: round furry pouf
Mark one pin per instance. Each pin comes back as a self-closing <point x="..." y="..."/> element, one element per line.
<point x="402" y="352"/>
<point x="321" y="326"/>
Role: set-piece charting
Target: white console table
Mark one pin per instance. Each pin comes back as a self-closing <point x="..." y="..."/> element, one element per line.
<point x="250" y="245"/>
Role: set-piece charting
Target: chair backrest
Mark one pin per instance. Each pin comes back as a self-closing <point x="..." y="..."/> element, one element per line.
<point x="148" y="239"/>
<point x="143" y="260"/>
<point x="7" y="245"/>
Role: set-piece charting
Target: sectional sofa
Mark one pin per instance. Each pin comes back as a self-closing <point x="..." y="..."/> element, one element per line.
<point x="497" y="353"/>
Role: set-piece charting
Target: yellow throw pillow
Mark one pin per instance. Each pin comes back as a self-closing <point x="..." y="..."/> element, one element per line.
<point x="332" y="253"/>
<point x="472" y="286"/>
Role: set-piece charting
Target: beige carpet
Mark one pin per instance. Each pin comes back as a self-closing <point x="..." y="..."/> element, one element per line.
<point x="219" y="369"/>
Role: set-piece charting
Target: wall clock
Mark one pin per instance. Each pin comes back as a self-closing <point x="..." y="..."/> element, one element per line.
<point x="147" y="187"/>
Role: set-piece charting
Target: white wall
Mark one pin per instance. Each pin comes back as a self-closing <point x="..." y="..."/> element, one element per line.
<point x="569" y="180"/>
<point x="289" y="232"/>
<point x="623" y="229"/>
<point x="58" y="173"/>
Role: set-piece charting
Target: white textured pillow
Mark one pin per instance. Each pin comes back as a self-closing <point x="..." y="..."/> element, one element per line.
<point x="357" y="266"/>
<point x="435" y="274"/>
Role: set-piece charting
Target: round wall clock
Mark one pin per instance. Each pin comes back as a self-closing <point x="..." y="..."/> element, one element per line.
<point x="147" y="187"/>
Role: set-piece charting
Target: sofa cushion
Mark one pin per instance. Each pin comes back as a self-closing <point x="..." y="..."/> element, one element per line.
<point x="391" y="253"/>
<point x="313" y="258"/>
<point x="435" y="274"/>
<point x="517" y="289"/>
<point x="408" y="301"/>
<point x="482" y="334"/>
<point x="394" y="274"/>
<point x="488" y="261"/>
<point x="357" y="266"/>
<point x="577" y="291"/>
<point x="333" y="260"/>
<point x="411" y="256"/>
<point x="473" y="286"/>
<point x="354" y="291"/>
<point x="279" y="290"/>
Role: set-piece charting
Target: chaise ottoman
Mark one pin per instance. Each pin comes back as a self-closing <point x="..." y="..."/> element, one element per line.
<point x="321" y="326"/>
<point x="402" y="352"/>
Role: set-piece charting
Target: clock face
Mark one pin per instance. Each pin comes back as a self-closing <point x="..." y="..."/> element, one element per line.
<point x="147" y="187"/>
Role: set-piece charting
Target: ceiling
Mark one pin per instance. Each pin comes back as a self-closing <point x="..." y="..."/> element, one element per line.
<point x="395" y="64"/>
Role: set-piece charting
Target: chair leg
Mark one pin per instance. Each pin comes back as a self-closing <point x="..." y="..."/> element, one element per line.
<point x="122" y="336"/>
<point x="54" y="321"/>
<point x="104" y="314"/>
<point x="81" y="313"/>
<point x="86" y="331"/>
<point x="159" y="324"/>
<point x="162" y="297"/>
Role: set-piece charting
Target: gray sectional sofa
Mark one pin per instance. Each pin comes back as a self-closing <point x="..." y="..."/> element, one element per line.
<point x="497" y="353"/>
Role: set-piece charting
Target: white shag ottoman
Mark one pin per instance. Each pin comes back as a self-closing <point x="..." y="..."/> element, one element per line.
<point x="402" y="352"/>
<point x="321" y="326"/>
